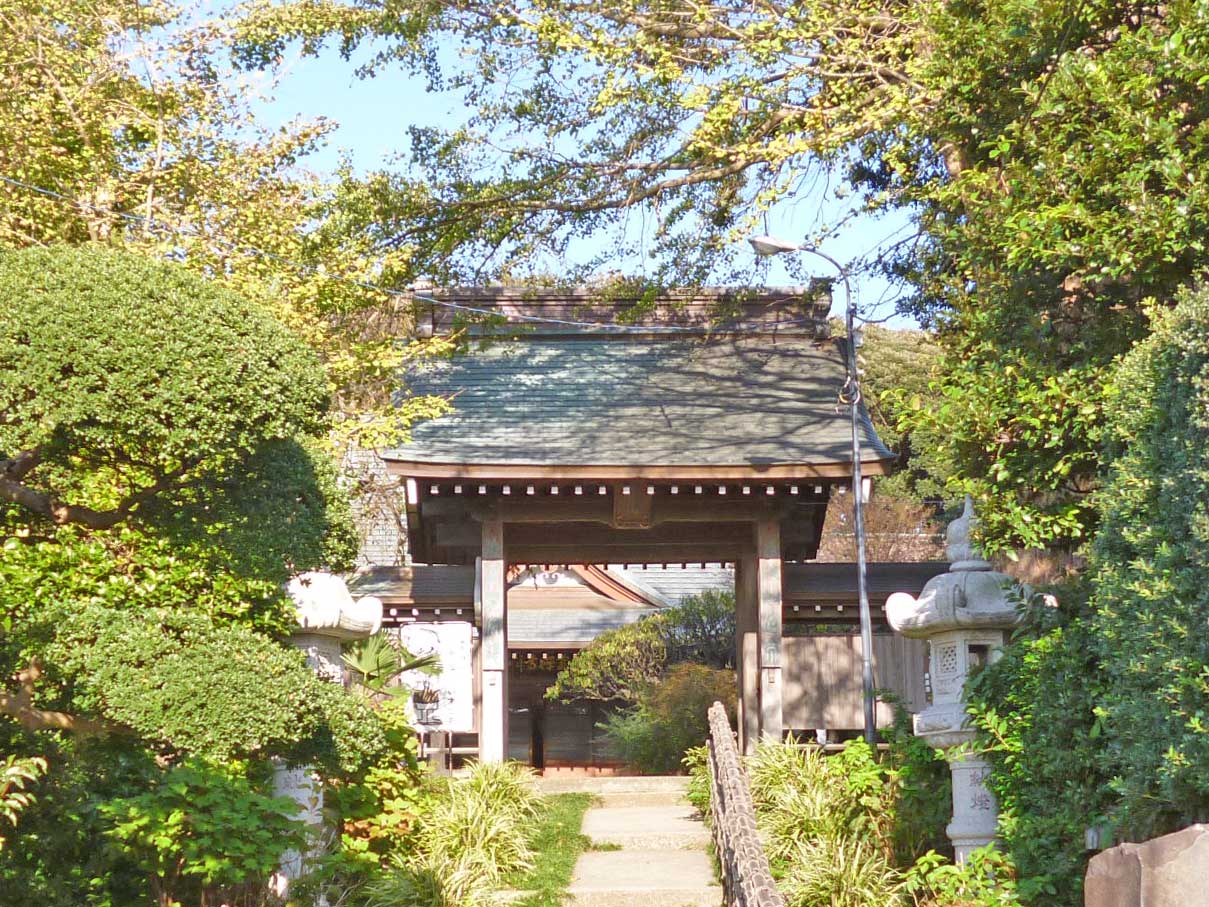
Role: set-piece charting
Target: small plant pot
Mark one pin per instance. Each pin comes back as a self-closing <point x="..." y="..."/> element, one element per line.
<point x="426" y="712"/>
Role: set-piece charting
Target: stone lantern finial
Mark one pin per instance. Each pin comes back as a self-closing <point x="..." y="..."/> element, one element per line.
<point x="961" y="551"/>
<point x="325" y="606"/>
<point x="327" y="616"/>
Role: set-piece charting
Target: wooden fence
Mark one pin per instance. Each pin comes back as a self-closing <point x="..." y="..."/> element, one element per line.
<point x="823" y="679"/>
<point x="746" y="878"/>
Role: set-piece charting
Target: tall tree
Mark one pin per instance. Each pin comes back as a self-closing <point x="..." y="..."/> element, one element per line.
<point x="123" y="122"/>
<point x="1052" y="155"/>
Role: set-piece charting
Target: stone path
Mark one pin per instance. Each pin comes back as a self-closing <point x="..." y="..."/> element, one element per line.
<point x="661" y="858"/>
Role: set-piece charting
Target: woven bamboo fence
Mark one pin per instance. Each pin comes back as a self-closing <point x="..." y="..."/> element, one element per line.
<point x="746" y="878"/>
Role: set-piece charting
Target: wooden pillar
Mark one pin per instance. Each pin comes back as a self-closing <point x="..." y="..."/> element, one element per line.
<point x="768" y="595"/>
<point x="493" y="654"/>
<point x="747" y="655"/>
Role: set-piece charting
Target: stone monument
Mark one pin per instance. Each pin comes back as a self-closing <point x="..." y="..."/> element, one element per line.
<point x="1170" y="871"/>
<point x="964" y="615"/>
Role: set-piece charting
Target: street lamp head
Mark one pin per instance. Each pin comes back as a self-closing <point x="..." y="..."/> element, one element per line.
<point x="767" y="246"/>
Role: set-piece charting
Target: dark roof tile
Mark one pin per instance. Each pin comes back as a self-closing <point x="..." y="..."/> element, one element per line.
<point x="727" y="401"/>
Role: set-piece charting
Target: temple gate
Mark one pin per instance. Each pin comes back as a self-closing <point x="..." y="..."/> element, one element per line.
<point x="703" y="428"/>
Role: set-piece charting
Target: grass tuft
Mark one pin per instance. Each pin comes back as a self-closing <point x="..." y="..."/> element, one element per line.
<point x="556" y="844"/>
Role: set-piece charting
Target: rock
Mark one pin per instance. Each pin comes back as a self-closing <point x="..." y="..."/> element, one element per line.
<point x="1171" y="871"/>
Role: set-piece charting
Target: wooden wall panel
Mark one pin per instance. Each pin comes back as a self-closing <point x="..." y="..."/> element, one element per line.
<point x="823" y="679"/>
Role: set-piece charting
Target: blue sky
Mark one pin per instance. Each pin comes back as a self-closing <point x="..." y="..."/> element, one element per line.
<point x="373" y="116"/>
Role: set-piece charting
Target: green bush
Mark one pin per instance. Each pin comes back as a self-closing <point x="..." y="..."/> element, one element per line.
<point x="701" y="629"/>
<point x="826" y="824"/>
<point x="506" y="787"/>
<point x="839" y="871"/>
<point x="204" y="833"/>
<point x="986" y="879"/>
<point x="1095" y="715"/>
<point x="799" y="798"/>
<point x="670" y="718"/>
<point x="623" y="664"/>
<point x="276" y="511"/>
<point x="56" y="858"/>
<point x="700" y="786"/>
<point x="159" y="446"/>
<point x="17" y="777"/>
<point x="851" y="830"/>
<point x="1035" y="710"/>
<point x="923" y="792"/>
<point x="474" y="834"/>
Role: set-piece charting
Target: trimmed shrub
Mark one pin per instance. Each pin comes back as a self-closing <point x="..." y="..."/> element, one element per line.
<point x="623" y="664"/>
<point x="671" y="718"/>
<point x="183" y="683"/>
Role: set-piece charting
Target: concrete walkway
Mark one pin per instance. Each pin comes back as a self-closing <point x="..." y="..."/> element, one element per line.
<point x="657" y="849"/>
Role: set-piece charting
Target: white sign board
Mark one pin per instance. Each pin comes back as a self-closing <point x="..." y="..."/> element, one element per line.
<point x="451" y="642"/>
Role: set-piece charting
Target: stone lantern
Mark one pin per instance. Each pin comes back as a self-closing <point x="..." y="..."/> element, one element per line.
<point x="965" y="616"/>
<point x="328" y="616"/>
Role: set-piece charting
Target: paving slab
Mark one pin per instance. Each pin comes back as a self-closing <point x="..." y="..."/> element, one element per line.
<point x="612" y="785"/>
<point x="651" y="878"/>
<point x="646" y="827"/>
<point x="642" y="798"/>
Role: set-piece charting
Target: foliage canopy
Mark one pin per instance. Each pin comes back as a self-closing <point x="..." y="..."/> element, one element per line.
<point x="121" y="378"/>
<point x="1103" y="698"/>
<point x="124" y="123"/>
<point x="1052" y="159"/>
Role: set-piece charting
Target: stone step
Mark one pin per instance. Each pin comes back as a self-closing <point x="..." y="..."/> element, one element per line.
<point x="646" y="827"/>
<point x="616" y="784"/>
<point x="644" y="878"/>
<point x="641" y="798"/>
<point x="647" y="897"/>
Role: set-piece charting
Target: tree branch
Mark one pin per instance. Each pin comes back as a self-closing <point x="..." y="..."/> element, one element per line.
<point x="18" y="467"/>
<point x="47" y="505"/>
<point x="20" y="706"/>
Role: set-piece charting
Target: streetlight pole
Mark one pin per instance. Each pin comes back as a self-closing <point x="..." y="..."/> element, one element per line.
<point x="851" y="394"/>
